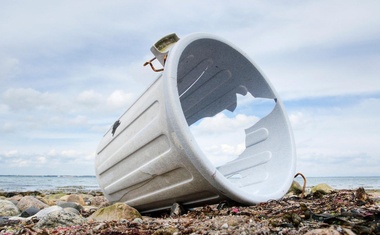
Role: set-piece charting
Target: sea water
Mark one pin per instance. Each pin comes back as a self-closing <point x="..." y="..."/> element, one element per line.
<point x="347" y="182"/>
<point x="22" y="183"/>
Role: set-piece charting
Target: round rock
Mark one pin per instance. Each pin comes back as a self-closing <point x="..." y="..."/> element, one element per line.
<point x="117" y="211"/>
<point x="60" y="218"/>
<point x="30" y="201"/>
<point x="7" y="208"/>
<point x="322" y="188"/>
<point x="44" y="212"/>
<point x="70" y="204"/>
<point x="76" y="198"/>
<point x="29" y="212"/>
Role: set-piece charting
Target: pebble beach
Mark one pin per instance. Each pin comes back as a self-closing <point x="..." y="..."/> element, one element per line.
<point x="322" y="210"/>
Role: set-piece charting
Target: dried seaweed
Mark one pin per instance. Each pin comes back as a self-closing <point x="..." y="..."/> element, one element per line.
<point x="344" y="211"/>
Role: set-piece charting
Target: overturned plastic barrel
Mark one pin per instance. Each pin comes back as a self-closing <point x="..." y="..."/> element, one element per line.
<point x="150" y="158"/>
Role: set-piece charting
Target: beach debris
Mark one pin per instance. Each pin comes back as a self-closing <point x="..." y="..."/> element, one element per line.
<point x="337" y="212"/>
<point x="7" y="208"/>
<point x="117" y="212"/>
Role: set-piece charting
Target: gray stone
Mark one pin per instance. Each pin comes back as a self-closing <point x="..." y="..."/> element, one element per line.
<point x="71" y="210"/>
<point x="5" y="220"/>
<point x="60" y="219"/>
<point x="17" y="219"/>
<point x="100" y="226"/>
<point x="44" y="212"/>
<point x="98" y="201"/>
<point x="89" y="209"/>
<point x="76" y="198"/>
<point x="138" y="221"/>
<point x="70" y="204"/>
<point x="29" y="212"/>
<point x="224" y="226"/>
<point x="7" y="208"/>
<point x="87" y="198"/>
<point x="29" y="201"/>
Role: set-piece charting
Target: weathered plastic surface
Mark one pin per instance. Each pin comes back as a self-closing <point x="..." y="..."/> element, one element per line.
<point x="153" y="160"/>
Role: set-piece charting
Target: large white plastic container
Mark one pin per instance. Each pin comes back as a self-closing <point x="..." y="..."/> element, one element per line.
<point x="152" y="160"/>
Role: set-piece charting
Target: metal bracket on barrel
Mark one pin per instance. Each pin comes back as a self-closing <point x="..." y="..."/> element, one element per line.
<point x="161" y="49"/>
<point x="152" y="66"/>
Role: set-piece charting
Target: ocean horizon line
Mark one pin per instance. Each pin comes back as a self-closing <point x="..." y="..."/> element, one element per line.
<point x="18" y="175"/>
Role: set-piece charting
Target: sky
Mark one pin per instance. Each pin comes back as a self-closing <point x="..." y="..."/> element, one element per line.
<point x="69" y="69"/>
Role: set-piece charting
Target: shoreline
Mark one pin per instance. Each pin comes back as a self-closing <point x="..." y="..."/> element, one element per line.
<point x="336" y="212"/>
<point x="88" y="182"/>
<point x="99" y="192"/>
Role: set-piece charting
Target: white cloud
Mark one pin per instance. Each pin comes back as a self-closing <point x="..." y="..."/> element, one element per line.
<point x="221" y="138"/>
<point x="90" y="97"/>
<point x="8" y="67"/>
<point x="119" y="99"/>
<point x="358" y="164"/>
<point x="70" y="153"/>
<point x="41" y="160"/>
<point x="60" y="161"/>
<point x="11" y="153"/>
<point x="306" y="55"/>
<point x="36" y="113"/>
<point x="338" y="138"/>
<point x="90" y="157"/>
<point x="300" y="120"/>
<point x="20" y="163"/>
<point x="7" y="127"/>
<point x="220" y="123"/>
<point x="329" y="77"/>
<point x="28" y="99"/>
<point x="79" y="120"/>
<point x="289" y="27"/>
